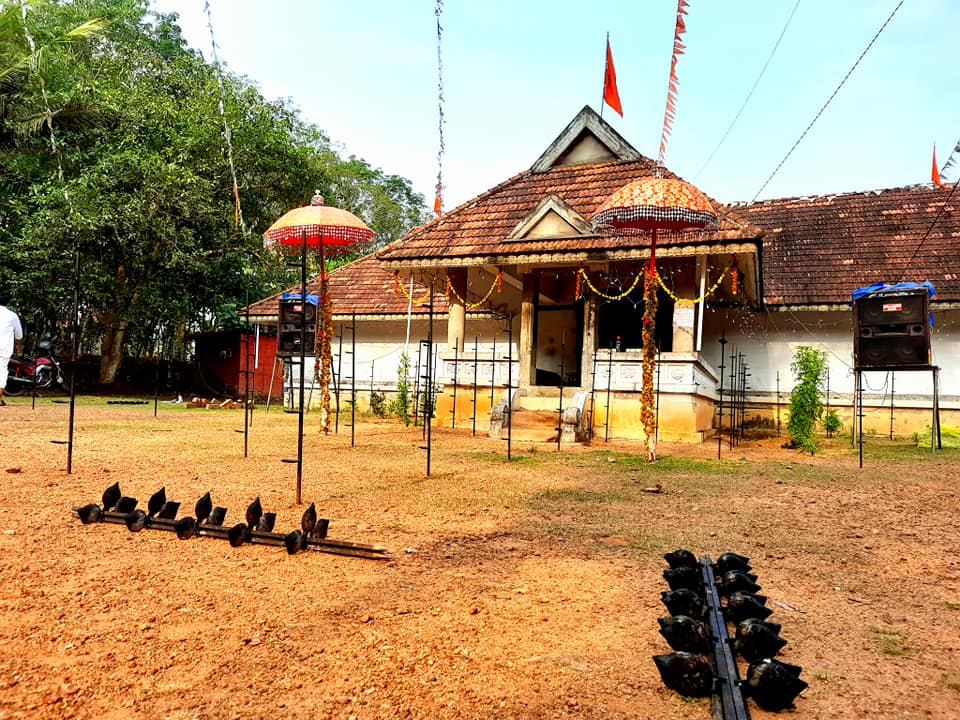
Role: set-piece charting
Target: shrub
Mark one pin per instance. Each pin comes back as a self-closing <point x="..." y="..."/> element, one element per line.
<point x="831" y="422"/>
<point x="378" y="404"/>
<point x="809" y="367"/>
<point x="400" y="405"/>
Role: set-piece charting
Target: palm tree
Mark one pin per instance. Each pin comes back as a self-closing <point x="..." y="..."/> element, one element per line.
<point x="22" y="61"/>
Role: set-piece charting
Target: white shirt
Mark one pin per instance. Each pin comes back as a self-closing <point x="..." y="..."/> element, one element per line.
<point x="10" y="330"/>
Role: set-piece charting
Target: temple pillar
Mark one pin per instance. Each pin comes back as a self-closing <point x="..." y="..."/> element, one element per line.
<point x="457" y="311"/>
<point x="527" y="370"/>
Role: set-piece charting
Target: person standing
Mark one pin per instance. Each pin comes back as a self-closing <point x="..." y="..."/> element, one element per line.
<point x="11" y="335"/>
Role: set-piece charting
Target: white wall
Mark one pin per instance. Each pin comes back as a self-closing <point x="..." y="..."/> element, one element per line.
<point x="767" y="341"/>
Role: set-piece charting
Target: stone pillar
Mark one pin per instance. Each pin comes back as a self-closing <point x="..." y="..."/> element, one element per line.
<point x="457" y="312"/>
<point x="528" y="308"/>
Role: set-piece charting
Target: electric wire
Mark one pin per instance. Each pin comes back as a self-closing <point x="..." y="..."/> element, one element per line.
<point x="749" y="94"/>
<point x="829" y="100"/>
<point x="932" y="224"/>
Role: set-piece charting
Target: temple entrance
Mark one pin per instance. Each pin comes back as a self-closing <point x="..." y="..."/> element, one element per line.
<point x="620" y="322"/>
<point x="559" y="341"/>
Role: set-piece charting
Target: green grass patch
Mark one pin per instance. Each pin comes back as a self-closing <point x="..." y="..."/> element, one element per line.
<point x="951" y="681"/>
<point x="890" y="640"/>
<point x="577" y="496"/>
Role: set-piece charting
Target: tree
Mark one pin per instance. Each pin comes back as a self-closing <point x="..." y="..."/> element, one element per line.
<point x="147" y="198"/>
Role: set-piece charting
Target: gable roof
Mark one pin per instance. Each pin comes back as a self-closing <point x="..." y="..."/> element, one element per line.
<point x="818" y="250"/>
<point x="362" y="288"/>
<point x="585" y="164"/>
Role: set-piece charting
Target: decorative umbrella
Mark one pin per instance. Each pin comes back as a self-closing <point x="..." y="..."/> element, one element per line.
<point x="648" y="205"/>
<point x="325" y="230"/>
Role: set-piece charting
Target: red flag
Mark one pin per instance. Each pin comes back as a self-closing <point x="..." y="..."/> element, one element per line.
<point x="610" y="95"/>
<point x="935" y="173"/>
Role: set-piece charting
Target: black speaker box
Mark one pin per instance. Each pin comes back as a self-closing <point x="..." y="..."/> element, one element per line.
<point x="892" y="330"/>
<point x="290" y="317"/>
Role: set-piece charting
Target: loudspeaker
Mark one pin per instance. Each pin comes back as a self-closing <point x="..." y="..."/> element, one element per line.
<point x="290" y="317"/>
<point x="892" y="330"/>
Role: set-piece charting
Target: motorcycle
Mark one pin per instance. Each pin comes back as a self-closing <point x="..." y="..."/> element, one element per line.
<point x="29" y="373"/>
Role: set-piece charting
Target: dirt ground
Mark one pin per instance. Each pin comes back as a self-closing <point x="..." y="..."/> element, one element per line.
<point x="528" y="589"/>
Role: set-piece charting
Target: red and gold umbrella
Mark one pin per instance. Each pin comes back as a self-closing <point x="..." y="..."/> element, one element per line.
<point x="648" y="205"/>
<point x="319" y="227"/>
<point x="327" y="231"/>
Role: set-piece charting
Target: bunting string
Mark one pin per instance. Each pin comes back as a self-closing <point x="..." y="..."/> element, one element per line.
<point x="950" y="161"/>
<point x="438" y="199"/>
<point x="670" y="111"/>
<point x="227" y="136"/>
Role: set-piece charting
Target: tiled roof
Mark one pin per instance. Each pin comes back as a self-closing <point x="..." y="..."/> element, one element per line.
<point x="817" y="250"/>
<point x="477" y="231"/>
<point x="363" y="287"/>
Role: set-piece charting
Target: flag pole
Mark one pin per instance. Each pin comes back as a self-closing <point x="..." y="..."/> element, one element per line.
<point x="603" y="91"/>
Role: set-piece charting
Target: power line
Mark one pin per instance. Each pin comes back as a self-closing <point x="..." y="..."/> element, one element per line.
<point x="749" y="94"/>
<point x="933" y="224"/>
<point x="829" y="100"/>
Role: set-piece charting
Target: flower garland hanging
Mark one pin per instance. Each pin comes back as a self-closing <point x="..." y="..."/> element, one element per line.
<point x="496" y="284"/>
<point x="708" y="293"/>
<point x="399" y="287"/>
<point x="647" y="397"/>
<point x="323" y="370"/>
<point x="583" y="273"/>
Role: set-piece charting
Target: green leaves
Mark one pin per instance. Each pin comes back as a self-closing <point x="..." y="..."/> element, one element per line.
<point x="147" y="195"/>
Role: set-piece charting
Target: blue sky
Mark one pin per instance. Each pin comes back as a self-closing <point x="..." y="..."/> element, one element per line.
<point x="515" y="72"/>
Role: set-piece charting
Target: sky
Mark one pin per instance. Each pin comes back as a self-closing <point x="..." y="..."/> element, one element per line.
<point x="515" y="72"/>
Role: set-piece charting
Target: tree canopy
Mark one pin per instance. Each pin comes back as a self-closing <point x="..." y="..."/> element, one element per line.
<point x="114" y="151"/>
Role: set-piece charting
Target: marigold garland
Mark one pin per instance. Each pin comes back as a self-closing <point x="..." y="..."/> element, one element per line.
<point x="496" y="284"/>
<point x="325" y="335"/>
<point x="397" y="285"/>
<point x="583" y="273"/>
<point x="647" y="398"/>
<point x="708" y="293"/>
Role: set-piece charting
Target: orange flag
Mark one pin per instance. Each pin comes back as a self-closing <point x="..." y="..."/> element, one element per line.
<point x="935" y="173"/>
<point x="610" y="95"/>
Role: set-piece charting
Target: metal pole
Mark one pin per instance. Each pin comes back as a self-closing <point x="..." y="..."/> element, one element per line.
<point x="723" y="343"/>
<point x="73" y="365"/>
<point x="563" y="346"/>
<point x="593" y="391"/>
<point x="303" y="356"/>
<point x="156" y="381"/>
<point x="246" y="372"/>
<point x="509" y="385"/>
<point x="336" y="426"/>
<point x="859" y="392"/>
<point x="606" y="420"/>
<point x="493" y="370"/>
<point x="778" y="403"/>
<point x="476" y="359"/>
<point x="656" y="404"/>
<point x="353" y="379"/>
<point x="892" y="375"/>
<point x="456" y="355"/>
<point x="428" y="415"/>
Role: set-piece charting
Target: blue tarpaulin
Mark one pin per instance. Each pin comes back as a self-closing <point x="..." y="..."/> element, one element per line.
<point x="312" y="299"/>
<point x="880" y="287"/>
<point x="884" y="287"/>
